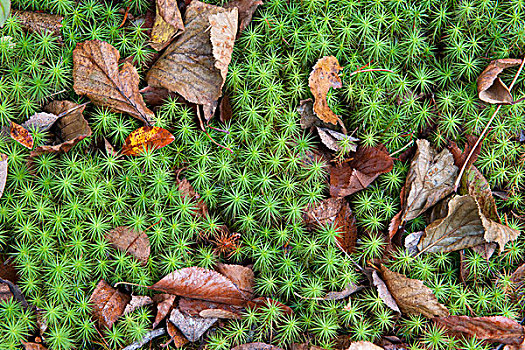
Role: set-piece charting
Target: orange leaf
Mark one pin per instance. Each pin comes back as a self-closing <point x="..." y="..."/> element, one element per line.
<point x="325" y="75"/>
<point x="21" y="135"/>
<point x="146" y="137"/>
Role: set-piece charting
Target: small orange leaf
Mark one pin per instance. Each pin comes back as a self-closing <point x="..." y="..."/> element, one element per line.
<point x="21" y="135"/>
<point x="146" y="137"/>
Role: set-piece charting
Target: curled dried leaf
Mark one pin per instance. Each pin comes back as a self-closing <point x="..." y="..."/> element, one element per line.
<point x="325" y="75"/>
<point x="241" y="276"/>
<point x="146" y="138"/>
<point x="490" y="87"/>
<point x="383" y="292"/>
<point x="136" y="302"/>
<point x="165" y="303"/>
<point x="332" y="139"/>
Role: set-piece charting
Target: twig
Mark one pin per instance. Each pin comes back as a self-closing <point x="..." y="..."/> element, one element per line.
<point x="147" y="338"/>
<point x="482" y="136"/>
<point x="402" y="149"/>
<point x="371" y="70"/>
<point x="129" y="284"/>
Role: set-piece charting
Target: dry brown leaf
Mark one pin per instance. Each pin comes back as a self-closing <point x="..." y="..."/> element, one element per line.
<point x="200" y="283"/>
<point x="33" y="346"/>
<point x="21" y="135"/>
<point x="96" y="74"/>
<point x="5" y="292"/>
<point x="156" y="96"/>
<point x="136" y="302"/>
<point x="490" y="87"/>
<point x="69" y="129"/>
<point x="430" y="178"/>
<point x="168" y="22"/>
<point x="241" y="276"/>
<point x="192" y="327"/>
<point x="364" y="345"/>
<point x="383" y="292"/>
<point x="246" y="10"/>
<point x="3" y="173"/>
<point x="358" y="174"/>
<point x="176" y="336"/>
<point x="193" y="307"/>
<point x="262" y="301"/>
<point x="188" y="65"/>
<point x="474" y="184"/>
<point x="225" y="109"/>
<point x="222" y="35"/>
<point x="495" y="329"/>
<point x="460" y="157"/>
<point x="187" y="190"/>
<point x="108" y="304"/>
<point x="325" y="75"/>
<point x="38" y="22"/>
<point x="349" y="290"/>
<point x="332" y="139"/>
<point x="130" y="241"/>
<point x="256" y="346"/>
<point x="165" y="303"/>
<point x="219" y="313"/>
<point x="412" y="296"/>
<point x="41" y="121"/>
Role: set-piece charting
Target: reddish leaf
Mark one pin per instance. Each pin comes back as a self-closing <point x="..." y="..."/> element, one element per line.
<point x="460" y="157"/>
<point x="146" y="137"/>
<point x="8" y="270"/>
<point x="33" y="346"/>
<point x="5" y="292"/>
<point x="246" y="10"/>
<point x="108" y="304"/>
<point x="495" y="329"/>
<point x="130" y="241"/>
<point x="325" y="75"/>
<point x="165" y="303"/>
<point x="194" y="307"/>
<point x="241" y="276"/>
<point x="199" y="283"/>
<point x="192" y="327"/>
<point x="358" y="174"/>
<point x="225" y="110"/>
<point x="21" y="135"/>
<point x="490" y="87"/>
<point x="178" y="339"/>
<point x="256" y="346"/>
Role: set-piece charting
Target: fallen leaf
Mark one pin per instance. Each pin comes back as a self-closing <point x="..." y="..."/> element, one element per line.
<point x="265" y="302"/>
<point x="156" y="96"/>
<point x="460" y="157"/>
<point x="8" y="270"/>
<point x="33" y="346"/>
<point x="176" y="336"/>
<point x="225" y="109"/>
<point x="5" y="10"/>
<point x="168" y="22"/>
<point x="490" y="87"/>
<point x="192" y="327"/>
<point x="165" y="303"/>
<point x="364" y="345"/>
<point x="222" y="35"/>
<point x="96" y="75"/>
<point x="130" y="241"/>
<point x="193" y="307"/>
<point x="246" y="10"/>
<point x="256" y="346"/>
<point x="336" y="212"/>
<point x="411" y="295"/>
<point x="146" y="138"/>
<point x="411" y="242"/>
<point x="383" y="292"/>
<point x="358" y="174"/>
<point x="39" y="22"/>
<point x="200" y="283"/>
<point x="186" y="190"/>
<point x="325" y="75"/>
<point x="474" y="184"/>
<point x="15" y="292"/>
<point x="69" y="129"/>
<point x="41" y="121"/>
<point x="3" y="173"/>
<point x="219" y="313"/>
<point x="21" y="135"/>
<point x="349" y="290"/>
<point x="494" y="329"/>
<point x="241" y="276"/>
<point x="136" y="302"/>
<point x="110" y="150"/>
<point x="306" y="111"/>
<point x="332" y="139"/>
<point x="188" y="65"/>
<point x="5" y="292"/>
<point x="430" y="178"/>
<point x="108" y="304"/>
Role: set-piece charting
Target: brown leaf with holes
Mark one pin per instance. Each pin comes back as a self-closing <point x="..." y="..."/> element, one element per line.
<point x="325" y="75"/>
<point x="241" y="276"/>
<point x="3" y="173"/>
<point x="176" y="336"/>
<point x="108" y="304"/>
<point x="168" y="22"/>
<point x="191" y="327"/>
<point x="186" y="190"/>
<point x="200" y="283"/>
<point x="130" y="241"/>
<point x="165" y="303"/>
<point x="491" y="88"/>
<point x="494" y="329"/>
<point x="189" y="65"/>
<point x="39" y="22"/>
<point x="70" y="128"/>
<point x="136" y="302"/>
<point x="146" y="138"/>
<point x="246" y="10"/>
<point x="367" y="164"/>
<point x="256" y="346"/>
<point x="412" y="296"/>
<point x="460" y="157"/>
<point x="96" y="74"/>
<point x="21" y="135"/>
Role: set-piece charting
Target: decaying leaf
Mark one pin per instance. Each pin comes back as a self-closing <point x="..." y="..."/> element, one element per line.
<point x="495" y="329"/>
<point x="136" y="302"/>
<point x="349" y="290"/>
<point x="490" y="87"/>
<point x="194" y="307"/>
<point x="41" y="121"/>
<point x="225" y="109"/>
<point x="130" y="241"/>
<point x="263" y="301"/>
<point x="187" y="190"/>
<point x="69" y="129"/>
<point x="165" y="303"/>
<point x="430" y="178"/>
<point x="383" y="292"/>
<point x="192" y="327"/>
<point x="474" y="184"/>
<point x="176" y="336"/>
<point x="5" y="10"/>
<point x="364" y="345"/>
<point x="188" y="65"/>
<point x="411" y="242"/>
<point x="332" y="139"/>
<point x="325" y="75"/>
<point x="108" y="304"/>
<point x="146" y="138"/>
<point x="256" y="346"/>
<point x="358" y="174"/>
<point x="241" y="276"/>
<point x="412" y="296"/>
<point x="306" y="111"/>
<point x="246" y="10"/>
<point x="39" y="22"/>
<point x="33" y="346"/>
<point x="460" y="157"/>
<point x="15" y="292"/>
<point x="96" y="74"/>
<point x="200" y="283"/>
<point x="5" y="292"/>
<point x="156" y="96"/>
<point x="21" y="135"/>
<point x="222" y="35"/>
<point x="168" y="22"/>
<point x="3" y="173"/>
<point x="219" y="313"/>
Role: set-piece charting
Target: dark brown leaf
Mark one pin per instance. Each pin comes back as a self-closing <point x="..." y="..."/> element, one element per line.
<point x="39" y="22"/>
<point x="192" y="327"/>
<point x="358" y="174"/>
<point x="490" y="87"/>
<point x="187" y="190"/>
<point x="495" y="329"/>
<point x="8" y="270"/>
<point x="225" y="110"/>
<point x="256" y="346"/>
<point x="108" y="304"/>
<point x="199" y="283"/>
<point x="168" y="22"/>
<point x="130" y="241"/>
<point x="325" y="75"/>
<point x="411" y="295"/>
<point x="21" y="135"/>
<point x="3" y="172"/>
<point x="156" y="96"/>
<point x="146" y="138"/>
<point x="136" y="302"/>
<point x="246" y="10"/>
<point x="165" y="303"/>
<point x="460" y="157"/>
<point x="69" y="129"/>
<point x="96" y="75"/>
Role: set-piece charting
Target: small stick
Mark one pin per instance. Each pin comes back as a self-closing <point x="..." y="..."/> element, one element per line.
<point x="371" y="70"/>
<point x="482" y="136"/>
<point x="147" y="338"/>
<point x="129" y="284"/>
<point x="402" y="149"/>
<point x="125" y="17"/>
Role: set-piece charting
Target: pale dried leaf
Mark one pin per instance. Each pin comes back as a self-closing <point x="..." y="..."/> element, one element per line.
<point x="411" y="242"/>
<point x="256" y="346"/>
<point x="222" y="35"/>
<point x="41" y="121"/>
<point x="219" y="313"/>
<point x="490" y="87"/>
<point x="383" y="292"/>
<point x="332" y="139"/>
<point x="192" y="327"/>
<point x="325" y="75"/>
<point x="412" y="296"/>
<point x="364" y="345"/>
<point x="130" y="241"/>
<point x="349" y="289"/>
<point x="136" y="302"/>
